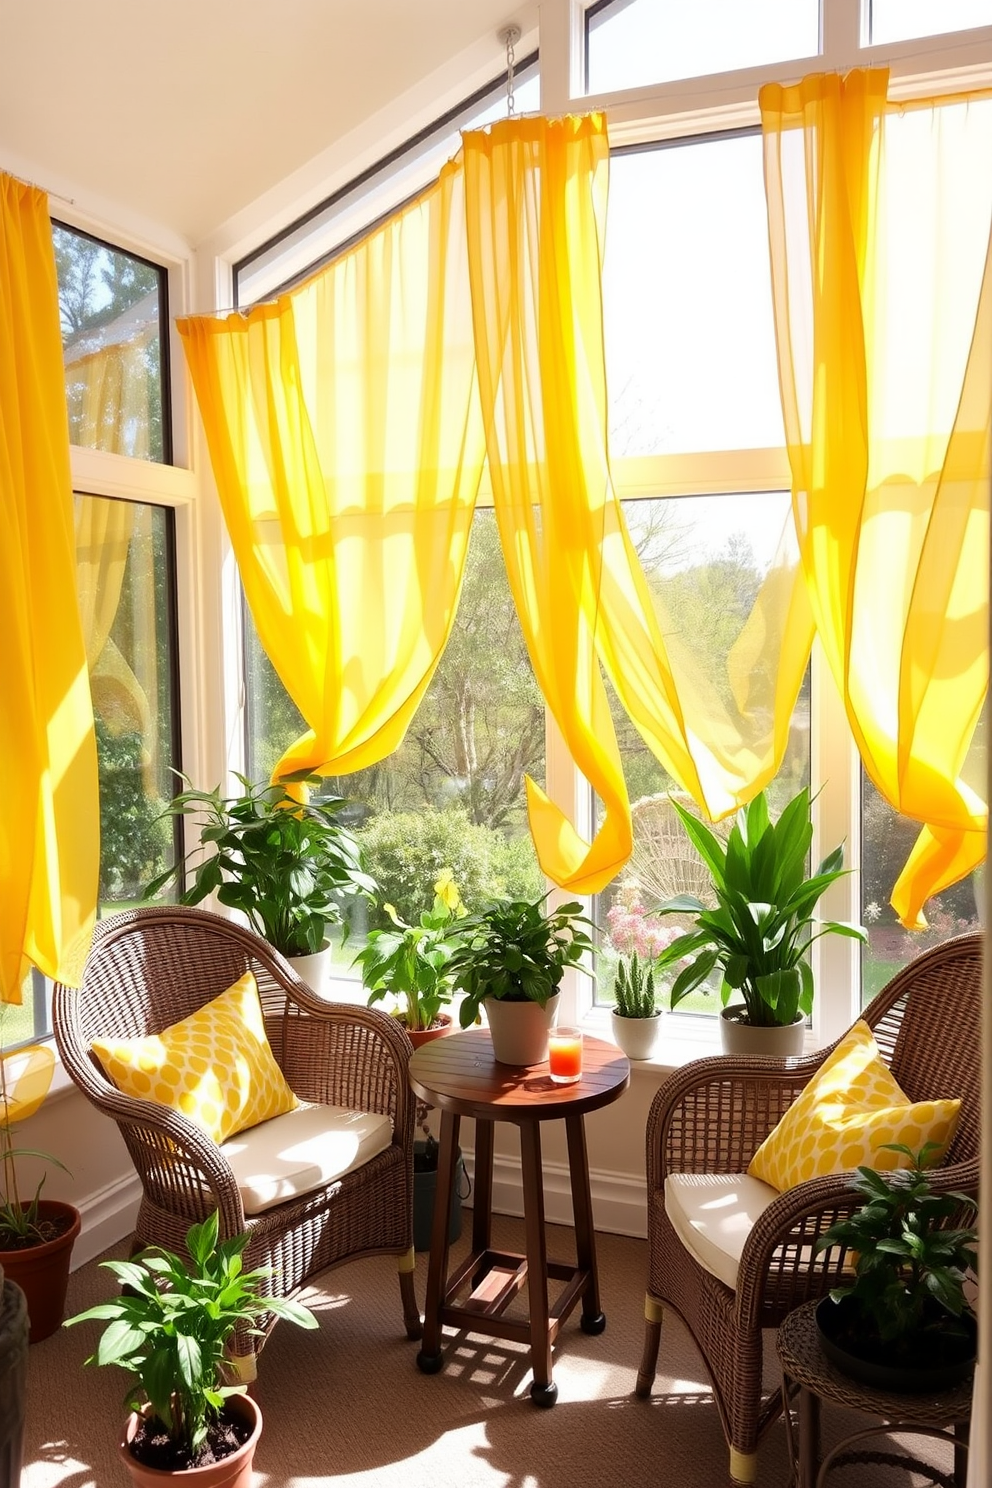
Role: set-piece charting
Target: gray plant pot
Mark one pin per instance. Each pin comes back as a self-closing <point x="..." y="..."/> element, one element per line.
<point x="424" y="1191"/>
<point x="739" y="1037"/>
<point x="520" y="1029"/>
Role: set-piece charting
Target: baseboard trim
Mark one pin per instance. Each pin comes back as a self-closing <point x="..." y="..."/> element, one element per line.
<point x="108" y="1216"/>
<point x="619" y="1203"/>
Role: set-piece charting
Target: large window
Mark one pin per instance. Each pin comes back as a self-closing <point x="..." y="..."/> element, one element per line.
<point x="696" y="443"/>
<point x="705" y="559"/>
<point x="452" y="796"/>
<point x="631" y="43"/>
<point x="113" y="306"/>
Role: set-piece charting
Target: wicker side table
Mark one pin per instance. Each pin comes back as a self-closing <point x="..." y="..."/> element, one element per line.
<point x="804" y="1365"/>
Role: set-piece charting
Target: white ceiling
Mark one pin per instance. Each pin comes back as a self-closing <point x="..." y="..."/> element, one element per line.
<point x="188" y="110"/>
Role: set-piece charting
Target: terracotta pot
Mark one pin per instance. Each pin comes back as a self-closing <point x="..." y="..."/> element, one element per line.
<point x="234" y="1471"/>
<point x="418" y="1036"/>
<point x="739" y="1037"/>
<point x="637" y="1037"/>
<point x="520" y="1029"/>
<point x="42" y="1271"/>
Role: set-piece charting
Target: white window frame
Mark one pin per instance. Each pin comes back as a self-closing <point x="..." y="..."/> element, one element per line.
<point x="955" y="61"/>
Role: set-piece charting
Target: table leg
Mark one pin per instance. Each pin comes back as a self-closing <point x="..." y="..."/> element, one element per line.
<point x="543" y="1391"/>
<point x="482" y="1211"/>
<point x="809" y="1437"/>
<point x="593" y="1319"/>
<point x="430" y="1359"/>
<point x="962" y="1434"/>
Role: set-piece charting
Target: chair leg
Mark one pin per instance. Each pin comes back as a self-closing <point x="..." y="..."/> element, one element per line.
<point x="743" y="1467"/>
<point x="653" y="1314"/>
<point x="242" y="1368"/>
<point x="411" y="1312"/>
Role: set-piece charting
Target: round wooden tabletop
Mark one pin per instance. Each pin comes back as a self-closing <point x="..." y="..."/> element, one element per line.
<point x="459" y="1074"/>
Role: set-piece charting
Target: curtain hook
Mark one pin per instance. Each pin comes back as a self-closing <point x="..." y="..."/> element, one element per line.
<point x="509" y="36"/>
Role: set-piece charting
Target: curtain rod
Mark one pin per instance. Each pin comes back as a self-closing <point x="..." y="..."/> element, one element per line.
<point x="37" y="186"/>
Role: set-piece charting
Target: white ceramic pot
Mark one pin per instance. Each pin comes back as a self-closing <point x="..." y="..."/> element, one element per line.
<point x="315" y="970"/>
<point x="739" y="1037"/>
<point x="519" y="1030"/>
<point x="637" y="1037"/>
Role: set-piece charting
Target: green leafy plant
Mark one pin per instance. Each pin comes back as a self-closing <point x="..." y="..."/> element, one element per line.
<point x="762" y="927"/>
<point x="169" y="1330"/>
<point x="288" y="864"/>
<point x="21" y="1225"/>
<point x="412" y="962"/>
<point x="517" y="951"/>
<point x="909" y="1263"/>
<point x="633" y="989"/>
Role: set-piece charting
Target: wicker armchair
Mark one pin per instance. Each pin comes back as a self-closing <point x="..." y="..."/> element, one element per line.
<point x="712" y="1116"/>
<point x="149" y="968"/>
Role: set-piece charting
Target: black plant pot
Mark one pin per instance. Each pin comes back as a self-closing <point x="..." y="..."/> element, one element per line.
<point x="943" y="1359"/>
<point x="424" y="1188"/>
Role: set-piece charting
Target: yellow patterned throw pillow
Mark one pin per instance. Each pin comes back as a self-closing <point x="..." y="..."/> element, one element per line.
<point x="216" y="1066"/>
<point x="845" y="1114"/>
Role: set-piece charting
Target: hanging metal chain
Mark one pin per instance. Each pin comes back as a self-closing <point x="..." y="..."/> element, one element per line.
<point x="509" y="36"/>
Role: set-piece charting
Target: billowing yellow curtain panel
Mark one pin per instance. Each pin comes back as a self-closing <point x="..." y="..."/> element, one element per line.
<point x="50" y="834"/>
<point x="344" y="432"/>
<point x="535" y="194"/>
<point x="879" y="222"/>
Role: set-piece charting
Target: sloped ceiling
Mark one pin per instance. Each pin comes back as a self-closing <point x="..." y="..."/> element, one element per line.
<point x="188" y="110"/>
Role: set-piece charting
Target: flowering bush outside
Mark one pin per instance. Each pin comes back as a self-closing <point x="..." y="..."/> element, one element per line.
<point x="631" y="931"/>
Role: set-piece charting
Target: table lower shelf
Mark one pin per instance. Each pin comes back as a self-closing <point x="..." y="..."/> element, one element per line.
<point x="493" y="1279"/>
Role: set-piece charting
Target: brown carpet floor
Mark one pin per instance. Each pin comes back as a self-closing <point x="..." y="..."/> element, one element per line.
<point x="347" y="1405"/>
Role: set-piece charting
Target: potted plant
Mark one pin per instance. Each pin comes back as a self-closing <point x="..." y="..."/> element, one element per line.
<point x="169" y="1331"/>
<point x="635" y="1019"/>
<point x="511" y="960"/>
<point x="411" y="963"/>
<point x="904" y="1322"/>
<point x="36" y="1234"/>
<point x="286" y="862"/>
<point x="761" y="928"/>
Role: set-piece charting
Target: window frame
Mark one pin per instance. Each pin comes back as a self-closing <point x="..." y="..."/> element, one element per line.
<point x="719" y="103"/>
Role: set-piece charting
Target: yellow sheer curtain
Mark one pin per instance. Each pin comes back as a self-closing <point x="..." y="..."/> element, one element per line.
<point x="879" y="222"/>
<point x="344" y="432"/>
<point x="108" y="533"/>
<point x="50" y="841"/>
<point x="109" y="391"/>
<point x="536" y="201"/>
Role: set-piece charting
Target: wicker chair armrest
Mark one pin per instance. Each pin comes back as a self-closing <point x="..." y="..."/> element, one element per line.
<point x="344" y="1054"/>
<point x="712" y="1115"/>
<point x="177" y="1163"/>
<point x="779" y="1258"/>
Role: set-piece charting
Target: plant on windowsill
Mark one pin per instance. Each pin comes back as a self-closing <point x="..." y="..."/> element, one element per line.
<point x="286" y="862"/>
<point x="904" y="1322"/>
<point x="36" y="1234"/>
<point x="169" y="1330"/>
<point x="513" y="956"/>
<point x="636" y="1018"/>
<point x="411" y="963"/>
<point x="759" y="934"/>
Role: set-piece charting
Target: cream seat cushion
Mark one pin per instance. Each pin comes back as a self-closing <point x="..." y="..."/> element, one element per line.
<point x="305" y="1149"/>
<point x="713" y="1214"/>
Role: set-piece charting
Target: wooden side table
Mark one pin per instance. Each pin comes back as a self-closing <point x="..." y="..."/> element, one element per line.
<point x="460" y="1077"/>
<point x="944" y="1416"/>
